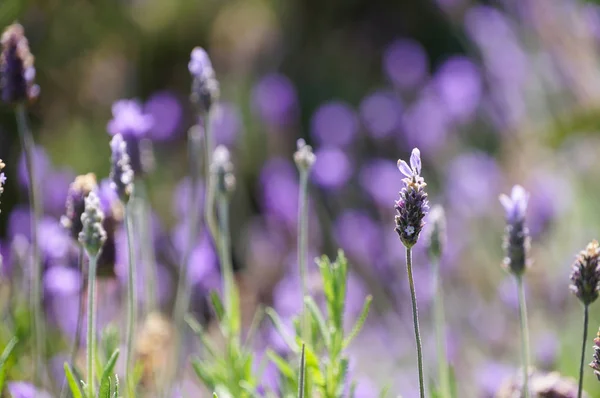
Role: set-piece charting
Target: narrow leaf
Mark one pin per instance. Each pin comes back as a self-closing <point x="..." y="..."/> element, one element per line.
<point x="360" y="322"/>
<point x="217" y="305"/>
<point x="199" y="331"/>
<point x="318" y="318"/>
<point x="282" y="365"/>
<point x="73" y="385"/>
<point x="301" y="378"/>
<point x="4" y="357"/>
<point x="105" y="382"/>
<point x="280" y="327"/>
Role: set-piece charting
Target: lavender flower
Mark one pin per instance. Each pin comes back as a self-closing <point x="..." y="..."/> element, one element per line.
<point x="516" y="241"/>
<point x="595" y="364"/>
<point x="75" y="204"/>
<point x="543" y="384"/>
<point x="92" y="235"/>
<point x="2" y="177"/>
<point x="413" y="203"/>
<point x="585" y="276"/>
<point x="121" y="173"/>
<point x="205" y="87"/>
<point x="22" y="389"/>
<point x="17" y="72"/>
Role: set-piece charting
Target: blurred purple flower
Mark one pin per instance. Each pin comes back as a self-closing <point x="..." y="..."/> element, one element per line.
<point x="473" y="183"/>
<point x="279" y="190"/>
<point x="515" y="205"/>
<point x="426" y="122"/>
<point x="41" y="164"/>
<point x="226" y="123"/>
<point x="550" y="196"/>
<point x="547" y="347"/>
<point x="18" y="221"/>
<point x="61" y="280"/>
<point x="166" y="112"/>
<point x="334" y="123"/>
<point x="380" y="112"/>
<point x="491" y="375"/>
<point x="23" y="389"/>
<point x="405" y="63"/>
<point x="332" y="168"/>
<point x="55" y="186"/>
<point x="203" y="269"/>
<point x="54" y="240"/>
<point x="380" y="179"/>
<point x="129" y="120"/>
<point x="358" y="235"/>
<point x="107" y="195"/>
<point x="458" y="82"/>
<point x="275" y="100"/>
<point x="507" y="290"/>
<point x="199" y="62"/>
<point x="181" y="198"/>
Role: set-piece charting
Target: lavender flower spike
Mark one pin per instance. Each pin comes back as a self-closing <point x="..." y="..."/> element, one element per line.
<point x="595" y="364"/>
<point x="516" y="241"/>
<point x="585" y="277"/>
<point x="75" y="203"/>
<point x="17" y="73"/>
<point x="205" y="87"/>
<point x="2" y="177"/>
<point x="413" y="204"/>
<point x="121" y="174"/>
<point x="92" y="235"/>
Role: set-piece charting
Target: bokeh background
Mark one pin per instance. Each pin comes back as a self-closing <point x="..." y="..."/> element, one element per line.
<point x="493" y="93"/>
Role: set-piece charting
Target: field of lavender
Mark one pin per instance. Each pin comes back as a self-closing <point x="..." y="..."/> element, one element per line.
<point x="261" y="198"/>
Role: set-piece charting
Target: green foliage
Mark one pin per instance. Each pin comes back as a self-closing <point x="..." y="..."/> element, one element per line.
<point x="3" y="360"/>
<point x="109" y="382"/>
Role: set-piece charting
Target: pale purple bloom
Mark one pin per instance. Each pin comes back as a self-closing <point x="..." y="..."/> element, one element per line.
<point x="181" y="197"/>
<point x="508" y="293"/>
<point x="203" y="269"/>
<point x="41" y="165"/>
<point x="61" y="280"/>
<point x="226" y="123"/>
<point x="166" y="112"/>
<point x="426" y="122"/>
<point x="550" y="197"/>
<point x="54" y="240"/>
<point x="358" y="235"/>
<point x="121" y="174"/>
<point x="275" y="100"/>
<point x="547" y="349"/>
<point x="55" y="186"/>
<point x="107" y="195"/>
<point x="199" y="62"/>
<point x="19" y="221"/>
<point x="405" y="63"/>
<point x="515" y="205"/>
<point x="491" y="375"/>
<point x="23" y="389"/>
<point x="279" y="190"/>
<point x="129" y="119"/>
<point x="332" y="168"/>
<point x="380" y="112"/>
<point x="459" y="84"/>
<point x="334" y="123"/>
<point x="415" y="164"/>
<point x="380" y="179"/>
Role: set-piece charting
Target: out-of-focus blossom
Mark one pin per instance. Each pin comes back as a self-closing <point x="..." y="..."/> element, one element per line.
<point x="405" y="63"/>
<point x="550" y="197"/>
<point x="458" y="82"/>
<point x="205" y="87"/>
<point x="334" y="123"/>
<point x="508" y="293"/>
<point x="380" y="112"/>
<point x="473" y="183"/>
<point x="381" y="180"/>
<point x="491" y="376"/>
<point x="61" y="280"/>
<point x="22" y="389"/>
<point x="426" y="122"/>
<point x="166" y="112"/>
<point x="275" y="101"/>
<point x="55" y="186"/>
<point x="547" y="347"/>
<point x="41" y="165"/>
<point x="332" y="168"/>
<point x="121" y="174"/>
<point x="17" y="73"/>
<point x="203" y="269"/>
<point x="358" y="235"/>
<point x="54" y="240"/>
<point x="129" y="119"/>
<point x="226" y="123"/>
<point x="279" y="190"/>
<point x="181" y="197"/>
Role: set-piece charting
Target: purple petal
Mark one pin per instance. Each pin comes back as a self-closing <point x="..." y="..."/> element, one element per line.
<point x="415" y="160"/>
<point x="506" y="202"/>
<point x="404" y="168"/>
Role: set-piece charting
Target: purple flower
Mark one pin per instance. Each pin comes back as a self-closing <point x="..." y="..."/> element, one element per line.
<point x="54" y="240"/>
<point x="515" y="205"/>
<point x="41" y="165"/>
<point x="55" y="186"/>
<point x="121" y="174"/>
<point x="491" y="376"/>
<point x="23" y="389"/>
<point x="129" y="120"/>
<point x="358" y="235"/>
<point x="334" y="123"/>
<point x="279" y="188"/>
<point x="181" y="197"/>
<point x="380" y="179"/>
<point x="107" y="195"/>
<point x="275" y="100"/>
<point x="405" y="63"/>
<point x="17" y="73"/>
<point x="226" y="123"/>
<point x="61" y="280"/>
<point x="166" y="112"/>
<point x="332" y="168"/>
<point x="203" y="270"/>
<point x="199" y="62"/>
<point x="380" y="112"/>
<point x="205" y="87"/>
<point x="426" y="122"/>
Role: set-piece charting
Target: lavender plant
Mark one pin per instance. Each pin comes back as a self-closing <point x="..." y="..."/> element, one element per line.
<point x="516" y="246"/>
<point x="411" y="209"/>
<point x="585" y="283"/>
<point x="17" y="84"/>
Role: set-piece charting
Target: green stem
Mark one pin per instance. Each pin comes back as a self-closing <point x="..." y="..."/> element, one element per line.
<point x="91" y="329"/>
<point x="28" y="147"/>
<point x="524" y="335"/>
<point x="147" y="253"/>
<point x="583" y="345"/>
<point x="131" y="295"/>
<point x="229" y="292"/>
<point x="440" y="338"/>
<point x="302" y="248"/>
<point x="413" y="297"/>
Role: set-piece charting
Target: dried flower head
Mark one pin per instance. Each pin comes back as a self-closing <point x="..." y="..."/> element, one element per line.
<point x="585" y="276"/>
<point x="516" y="238"/>
<point x="413" y="204"/>
<point x="436" y="235"/>
<point x="222" y="170"/>
<point x="121" y="173"/>
<point x="541" y="385"/>
<point x="17" y="73"/>
<point x="595" y="364"/>
<point x="205" y="87"/>
<point x="2" y="177"/>
<point x="92" y="235"/>
<point x="75" y="203"/>
<point x="304" y="156"/>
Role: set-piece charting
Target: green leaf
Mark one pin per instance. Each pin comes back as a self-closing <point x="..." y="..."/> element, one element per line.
<point x="73" y="385"/>
<point x="285" y="369"/>
<point x="343" y="373"/>
<point x="301" y="377"/>
<point x="280" y="327"/>
<point x="203" y="374"/>
<point x="360" y="322"/>
<point x="217" y="305"/>
<point x="256" y="321"/>
<point x="110" y="340"/>
<point x="116" y="392"/>
<point x="384" y="392"/>
<point x="4" y="357"/>
<point x="318" y="318"/>
<point x="215" y="395"/>
<point x="105" y="382"/>
<point x="199" y="331"/>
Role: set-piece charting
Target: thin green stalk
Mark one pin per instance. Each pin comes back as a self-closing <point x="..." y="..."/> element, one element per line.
<point x="583" y="345"/>
<point x="302" y="247"/>
<point x="413" y="297"/>
<point x="524" y="335"/>
<point x="230" y="294"/>
<point x="35" y="204"/>
<point x="91" y="329"/>
<point x="131" y="295"/>
<point x="147" y="253"/>
<point x="78" y="327"/>
<point x="438" y="303"/>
